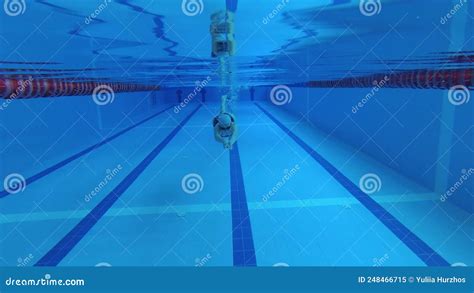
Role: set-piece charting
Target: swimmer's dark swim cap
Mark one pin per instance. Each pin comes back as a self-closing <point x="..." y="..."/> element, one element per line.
<point x="225" y="120"/>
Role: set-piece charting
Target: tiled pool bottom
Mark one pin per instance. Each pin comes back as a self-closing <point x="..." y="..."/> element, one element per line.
<point x="288" y="208"/>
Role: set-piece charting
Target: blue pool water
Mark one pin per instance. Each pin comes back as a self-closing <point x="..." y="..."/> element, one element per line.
<point x="333" y="166"/>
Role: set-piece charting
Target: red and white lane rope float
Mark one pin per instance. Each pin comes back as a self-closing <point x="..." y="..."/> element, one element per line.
<point x="29" y="87"/>
<point x="416" y="79"/>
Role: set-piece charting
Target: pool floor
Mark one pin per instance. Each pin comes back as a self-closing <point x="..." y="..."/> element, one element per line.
<point x="143" y="216"/>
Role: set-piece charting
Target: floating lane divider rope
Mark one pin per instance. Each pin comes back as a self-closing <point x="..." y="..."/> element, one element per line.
<point x="26" y="87"/>
<point x="418" y="246"/>
<point x="68" y="242"/>
<point x="66" y="161"/>
<point x="416" y="79"/>
<point x="242" y="239"/>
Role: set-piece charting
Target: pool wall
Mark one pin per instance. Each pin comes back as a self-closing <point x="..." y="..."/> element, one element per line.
<point x="66" y="125"/>
<point x="397" y="127"/>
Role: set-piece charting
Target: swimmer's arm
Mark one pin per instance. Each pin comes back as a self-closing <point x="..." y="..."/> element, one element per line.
<point x="218" y="137"/>
<point x="224" y="104"/>
<point x="233" y="138"/>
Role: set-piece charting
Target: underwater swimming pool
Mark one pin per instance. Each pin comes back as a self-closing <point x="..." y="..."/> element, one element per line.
<point x="354" y="133"/>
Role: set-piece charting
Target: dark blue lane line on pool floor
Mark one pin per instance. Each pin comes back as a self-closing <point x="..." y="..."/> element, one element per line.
<point x="242" y="239"/>
<point x="67" y="243"/>
<point x="418" y="246"/>
<point x="66" y="161"/>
